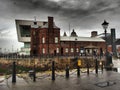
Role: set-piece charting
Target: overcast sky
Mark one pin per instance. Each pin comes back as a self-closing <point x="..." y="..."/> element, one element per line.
<point x="83" y="15"/>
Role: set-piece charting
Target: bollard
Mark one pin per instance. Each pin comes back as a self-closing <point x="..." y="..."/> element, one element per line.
<point x="34" y="75"/>
<point x="78" y="71"/>
<point x="102" y="67"/>
<point x="53" y="70"/>
<point x="67" y="71"/>
<point x="87" y="68"/>
<point x="78" y="67"/>
<point x="14" y="73"/>
<point x="96" y="66"/>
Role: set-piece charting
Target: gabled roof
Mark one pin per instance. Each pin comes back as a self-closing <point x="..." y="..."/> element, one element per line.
<point x="88" y="39"/>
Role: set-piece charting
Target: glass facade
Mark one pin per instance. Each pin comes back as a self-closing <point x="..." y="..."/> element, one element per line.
<point x="27" y="45"/>
<point x="25" y="30"/>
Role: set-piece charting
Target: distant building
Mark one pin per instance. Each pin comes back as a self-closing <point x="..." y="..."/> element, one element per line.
<point x="43" y="39"/>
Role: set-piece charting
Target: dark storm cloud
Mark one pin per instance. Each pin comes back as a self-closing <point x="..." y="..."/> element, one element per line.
<point x="84" y="13"/>
<point x="35" y="5"/>
<point x="81" y="14"/>
<point x="89" y="8"/>
<point x="71" y="9"/>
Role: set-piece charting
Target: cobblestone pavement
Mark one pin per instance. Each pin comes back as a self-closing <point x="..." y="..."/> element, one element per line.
<point x="103" y="81"/>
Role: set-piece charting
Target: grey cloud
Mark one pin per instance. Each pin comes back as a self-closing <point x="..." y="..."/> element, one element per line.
<point x="35" y="5"/>
<point x="71" y="10"/>
<point x="66" y="8"/>
<point x="82" y="14"/>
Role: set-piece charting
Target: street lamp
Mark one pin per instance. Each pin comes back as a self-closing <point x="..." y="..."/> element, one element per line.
<point x="105" y="26"/>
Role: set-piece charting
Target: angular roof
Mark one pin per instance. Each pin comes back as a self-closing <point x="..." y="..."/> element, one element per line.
<point x="91" y="39"/>
<point x="41" y="24"/>
<point x="30" y="23"/>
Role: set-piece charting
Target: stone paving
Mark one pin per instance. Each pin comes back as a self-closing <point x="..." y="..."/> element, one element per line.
<point x="103" y="81"/>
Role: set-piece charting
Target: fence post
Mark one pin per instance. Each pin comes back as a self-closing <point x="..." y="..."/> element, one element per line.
<point x="78" y="67"/>
<point x="78" y="71"/>
<point x="87" y="67"/>
<point x="53" y="70"/>
<point x="14" y="72"/>
<point x="67" y="71"/>
<point x="34" y="75"/>
<point x="96" y="66"/>
<point x="102" y="66"/>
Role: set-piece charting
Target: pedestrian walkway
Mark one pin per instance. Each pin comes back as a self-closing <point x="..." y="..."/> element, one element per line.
<point x="103" y="81"/>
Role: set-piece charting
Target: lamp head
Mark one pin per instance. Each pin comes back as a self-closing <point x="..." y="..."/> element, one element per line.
<point x="105" y="24"/>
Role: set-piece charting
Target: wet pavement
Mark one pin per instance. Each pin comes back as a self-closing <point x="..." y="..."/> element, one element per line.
<point x="108" y="80"/>
<point x="103" y="81"/>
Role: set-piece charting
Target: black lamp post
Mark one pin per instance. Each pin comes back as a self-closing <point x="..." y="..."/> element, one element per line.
<point x="75" y="54"/>
<point x="105" y="26"/>
<point x="35" y="26"/>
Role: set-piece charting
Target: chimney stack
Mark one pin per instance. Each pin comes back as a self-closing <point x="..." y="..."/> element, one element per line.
<point x="50" y="22"/>
<point x="93" y="33"/>
<point x="113" y="39"/>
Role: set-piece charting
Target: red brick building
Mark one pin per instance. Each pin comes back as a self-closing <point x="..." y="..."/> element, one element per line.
<point x="46" y="40"/>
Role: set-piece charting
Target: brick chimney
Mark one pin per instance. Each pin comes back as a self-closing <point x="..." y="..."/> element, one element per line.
<point x="93" y="33"/>
<point x="50" y="22"/>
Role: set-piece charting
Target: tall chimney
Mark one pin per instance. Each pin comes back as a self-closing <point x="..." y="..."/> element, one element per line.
<point x="93" y="33"/>
<point x="50" y="22"/>
<point x="113" y="39"/>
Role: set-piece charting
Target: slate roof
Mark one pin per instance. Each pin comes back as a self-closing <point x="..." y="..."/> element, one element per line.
<point x="91" y="39"/>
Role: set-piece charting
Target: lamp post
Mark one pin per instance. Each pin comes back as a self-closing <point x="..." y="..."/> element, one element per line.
<point x="105" y="26"/>
<point x="75" y="47"/>
<point x="35" y="26"/>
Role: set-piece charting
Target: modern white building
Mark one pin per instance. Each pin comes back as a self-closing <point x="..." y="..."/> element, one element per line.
<point x="23" y="28"/>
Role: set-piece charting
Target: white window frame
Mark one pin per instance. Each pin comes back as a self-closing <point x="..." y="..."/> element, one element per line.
<point x="57" y="50"/>
<point x="43" y="40"/>
<point x="43" y="50"/>
<point x="66" y="50"/>
<point x="77" y="49"/>
<point x="56" y="39"/>
<point x="72" y="50"/>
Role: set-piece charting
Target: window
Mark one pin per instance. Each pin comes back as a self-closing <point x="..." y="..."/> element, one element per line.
<point x="57" y="50"/>
<point x="66" y="50"/>
<point x="43" y="50"/>
<point x="43" y="40"/>
<point x="72" y="50"/>
<point x="77" y="50"/>
<point x="25" y="30"/>
<point x="27" y="45"/>
<point x="56" y="39"/>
